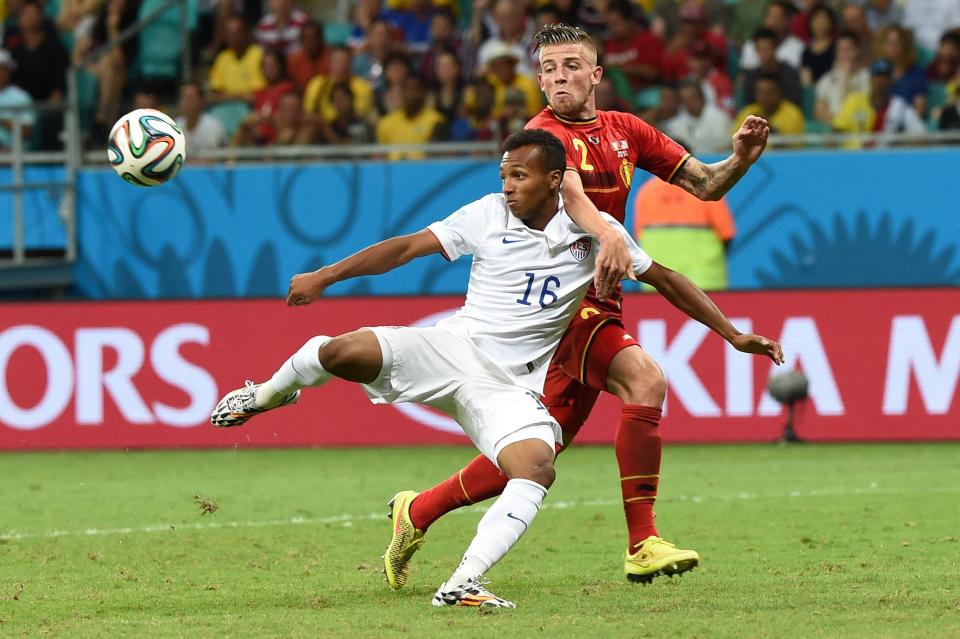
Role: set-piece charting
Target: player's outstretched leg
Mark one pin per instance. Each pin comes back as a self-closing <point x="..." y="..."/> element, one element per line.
<point x="355" y="357"/>
<point x="302" y="369"/>
<point x="529" y="464"/>
<point x="637" y="380"/>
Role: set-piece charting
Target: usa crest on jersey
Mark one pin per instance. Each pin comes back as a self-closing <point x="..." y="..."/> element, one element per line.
<point x="581" y="248"/>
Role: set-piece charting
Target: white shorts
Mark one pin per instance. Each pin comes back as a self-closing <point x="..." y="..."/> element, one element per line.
<point x="442" y="369"/>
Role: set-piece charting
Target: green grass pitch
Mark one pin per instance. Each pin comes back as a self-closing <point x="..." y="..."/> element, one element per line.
<point x="797" y="541"/>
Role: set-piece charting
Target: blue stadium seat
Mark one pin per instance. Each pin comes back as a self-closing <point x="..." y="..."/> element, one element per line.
<point x="337" y="32"/>
<point x="230" y="114"/>
<point x="161" y="43"/>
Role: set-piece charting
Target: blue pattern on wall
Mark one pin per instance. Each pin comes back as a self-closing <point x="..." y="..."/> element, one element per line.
<point x="805" y="219"/>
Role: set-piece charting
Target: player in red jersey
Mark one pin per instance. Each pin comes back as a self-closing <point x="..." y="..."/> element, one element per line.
<point x="603" y="150"/>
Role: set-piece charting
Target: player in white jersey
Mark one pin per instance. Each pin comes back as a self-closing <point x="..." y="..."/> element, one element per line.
<point x="484" y="366"/>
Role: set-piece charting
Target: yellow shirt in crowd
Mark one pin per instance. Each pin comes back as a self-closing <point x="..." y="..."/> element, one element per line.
<point x="396" y="128"/>
<point x="317" y="97"/>
<point x="238" y="75"/>
<point x="527" y="85"/>
<point x="786" y="120"/>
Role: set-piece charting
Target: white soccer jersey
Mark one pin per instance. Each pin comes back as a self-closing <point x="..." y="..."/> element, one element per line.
<point x="524" y="284"/>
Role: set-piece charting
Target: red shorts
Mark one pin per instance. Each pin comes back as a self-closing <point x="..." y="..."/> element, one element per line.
<point x="578" y="371"/>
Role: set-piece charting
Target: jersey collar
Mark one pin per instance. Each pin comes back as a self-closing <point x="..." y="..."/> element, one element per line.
<point x="557" y="232"/>
<point x="572" y="121"/>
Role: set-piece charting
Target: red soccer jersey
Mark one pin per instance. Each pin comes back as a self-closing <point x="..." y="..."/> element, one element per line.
<point x="606" y="149"/>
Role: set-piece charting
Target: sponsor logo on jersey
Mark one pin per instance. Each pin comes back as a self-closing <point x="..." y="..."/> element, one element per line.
<point x="621" y="147"/>
<point x="626" y="172"/>
<point x="594" y="139"/>
<point x="581" y="248"/>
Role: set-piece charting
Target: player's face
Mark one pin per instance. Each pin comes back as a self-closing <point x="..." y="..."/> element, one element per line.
<point x="568" y="74"/>
<point x="529" y="190"/>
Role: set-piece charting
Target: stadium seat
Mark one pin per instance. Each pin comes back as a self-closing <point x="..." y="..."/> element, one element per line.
<point x="230" y="114"/>
<point x="161" y="43"/>
<point x="337" y="32"/>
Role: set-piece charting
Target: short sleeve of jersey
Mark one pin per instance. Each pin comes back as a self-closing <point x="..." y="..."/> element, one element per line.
<point x="462" y="232"/>
<point x="641" y="261"/>
<point x="656" y="153"/>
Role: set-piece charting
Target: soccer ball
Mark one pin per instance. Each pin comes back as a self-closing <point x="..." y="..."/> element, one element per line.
<point x="146" y="147"/>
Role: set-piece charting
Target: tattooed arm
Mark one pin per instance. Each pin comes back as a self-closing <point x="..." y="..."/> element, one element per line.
<point x="712" y="181"/>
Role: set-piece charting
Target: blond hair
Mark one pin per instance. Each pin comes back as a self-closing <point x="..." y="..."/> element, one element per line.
<point x="559" y="33"/>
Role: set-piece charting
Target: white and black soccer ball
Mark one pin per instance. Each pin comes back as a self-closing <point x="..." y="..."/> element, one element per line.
<point x="146" y="147"/>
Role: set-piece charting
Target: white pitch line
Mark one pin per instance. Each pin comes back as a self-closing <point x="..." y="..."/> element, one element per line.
<point x="347" y="520"/>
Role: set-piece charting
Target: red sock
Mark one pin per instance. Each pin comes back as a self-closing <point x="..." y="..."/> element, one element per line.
<point x="477" y="481"/>
<point x="638" y="446"/>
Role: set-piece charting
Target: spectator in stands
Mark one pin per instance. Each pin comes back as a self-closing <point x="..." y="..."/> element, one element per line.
<point x="513" y="115"/>
<point x="280" y="29"/>
<point x="950" y="114"/>
<point x="200" y="130"/>
<point x="666" y="107"/>
<point x="929" y="19"/>
<point x="318" y="98"/>
<point x="414" y="22"/>
<point x="415" y="123"/>
<point x="909" y="78"/>
<point x="388" y="96"/>
<point x="765" y="45"/>
<point x="346" y="127"/>
<point x="692" y="29"/>
<point x="847" y="76"/>
<point x="312" y="57"/>
<point x="284" y="126"/>
<point x="716" y="85"/>
<point x="77" y="18"/>
<point x="266" y="101"/>
<point x="881" y="13"/>
<point x="566" y="11"/>
<point x="789" y="48"/>
<point x="800" y="20"/>
<point x="371" y="58"/>
<point x="703" y="127"/>
<point x="500" y="69"/>
<point x="855" y="20"/>
<point x="947" y="61"/>
<point x="145" y="97"/>
<point x="41" y="66"/>
<point x="784" y="116"/>
<point x="508" y="26"/>
<point x="364" y="14"/>
<point x="12" y="96"/>
<point x="882" y="111"/>
<point x="607" y="98"/>
<point x="819" y="55"/>
<point x="444" y="37"/>
<point x="111" y="69"/>
<point x="682" y="232"/>
<point x="631" y="48"/>
<point x="237" y="70"/>
<point x="446" y="94"/>
<point x="478" y="99"/>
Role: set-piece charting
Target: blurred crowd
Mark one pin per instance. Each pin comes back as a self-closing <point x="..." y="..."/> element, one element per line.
<point x="267" y="72"/>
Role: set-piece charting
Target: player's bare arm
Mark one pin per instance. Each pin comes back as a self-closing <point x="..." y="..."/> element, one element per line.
<point x="712" y="181"/>
<point x="613" y="260"/>
<point x="690" y="299"/>
<point x="373" y="260"/>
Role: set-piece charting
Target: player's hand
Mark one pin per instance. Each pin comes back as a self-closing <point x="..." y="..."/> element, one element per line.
<point x="307" y="287"/>
<point x="758" y="345"/>
<point x="613" y="264"/>
<point x="751" y="139"/>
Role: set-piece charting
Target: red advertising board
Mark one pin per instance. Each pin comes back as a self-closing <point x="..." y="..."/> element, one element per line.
<point x="882" y="364"/>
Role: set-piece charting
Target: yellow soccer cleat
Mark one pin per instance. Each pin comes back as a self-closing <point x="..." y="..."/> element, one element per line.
<point x="656" y="557"/>
<point x="406" y="540"/>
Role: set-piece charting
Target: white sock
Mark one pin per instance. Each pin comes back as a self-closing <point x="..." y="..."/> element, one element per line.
<point x="500" y="528"/>
<point x="301" y="370"/>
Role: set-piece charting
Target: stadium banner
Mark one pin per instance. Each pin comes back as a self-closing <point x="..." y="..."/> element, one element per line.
<point x="805" y="219"/>
<point x="882" y="365"/>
